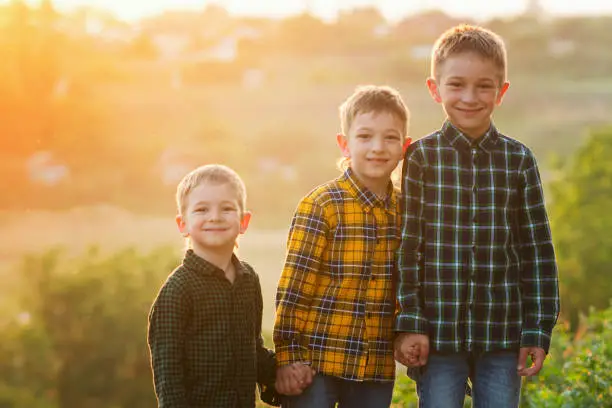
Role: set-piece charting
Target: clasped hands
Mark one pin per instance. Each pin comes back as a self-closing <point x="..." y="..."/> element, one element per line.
<point x="293" y="379"/>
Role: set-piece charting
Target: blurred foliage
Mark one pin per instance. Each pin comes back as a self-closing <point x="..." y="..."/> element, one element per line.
<point x="79" y="339"/>
<point x="578" y="370"/>
<point x="581" y="222"/>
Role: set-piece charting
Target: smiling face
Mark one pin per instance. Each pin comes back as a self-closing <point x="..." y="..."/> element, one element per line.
<point x="374" y="145"/>
<point x="469" y="88"/>
<point x="212" y="218"/>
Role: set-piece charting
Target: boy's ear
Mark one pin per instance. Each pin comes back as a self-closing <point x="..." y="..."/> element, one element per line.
<point x="502" y="92"/>
<point x="244" y="222"/>
<point x="343" y="144"/>
<point x="406" y="144"/>
<point x="182" y="227"/>
<point x="432" y="85"/>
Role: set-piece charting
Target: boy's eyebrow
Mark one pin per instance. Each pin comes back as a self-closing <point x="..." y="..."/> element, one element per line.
<point x="367" y="129"/>
<point x="203" y="202"/>
<point x="459" y="78"/>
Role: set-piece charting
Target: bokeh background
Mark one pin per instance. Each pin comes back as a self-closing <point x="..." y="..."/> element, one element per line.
<point x="104" y="106"/>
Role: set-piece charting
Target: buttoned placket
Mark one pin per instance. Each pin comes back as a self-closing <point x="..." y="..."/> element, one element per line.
<point x="369" y="219"/>
<point x="472" y="264"/>
<point x="234" y="322"/>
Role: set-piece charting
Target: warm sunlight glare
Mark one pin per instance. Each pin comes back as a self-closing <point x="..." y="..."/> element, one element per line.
<point x="327" y="9"/>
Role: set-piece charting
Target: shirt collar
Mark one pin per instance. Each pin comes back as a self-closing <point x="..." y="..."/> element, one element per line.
<point x="198" y="264"/>
<point x="364" y="196"/>
<point x="461" y="142"/>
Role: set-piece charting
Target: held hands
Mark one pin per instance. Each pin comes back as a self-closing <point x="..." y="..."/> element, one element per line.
<point x="411" y="349"/>
<point x="293" y="379"/>
<point x="537" y="355"/>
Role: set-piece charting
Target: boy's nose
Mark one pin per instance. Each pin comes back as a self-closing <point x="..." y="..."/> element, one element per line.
<point x="468" y="95"/>
<point x="377" y="144"/>
<point x="214" y="215"/>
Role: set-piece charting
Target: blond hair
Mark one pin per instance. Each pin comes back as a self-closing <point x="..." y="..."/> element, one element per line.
<point x="466" y="38"/>
<point x="210" y="173"/>
<point x="373" y="98"/>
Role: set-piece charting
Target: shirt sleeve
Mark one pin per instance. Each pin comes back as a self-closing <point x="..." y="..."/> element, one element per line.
<point x="266" y="360"/>
<point x="166" y="340"/>
<point x="539" y="278"/>
<point x="266" y="363"/>
<point x="409" y="317"/>
<point x="306" y="243"/>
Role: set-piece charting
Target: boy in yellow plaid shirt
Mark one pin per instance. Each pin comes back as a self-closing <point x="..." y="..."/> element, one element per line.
<point x="335" y="301"/>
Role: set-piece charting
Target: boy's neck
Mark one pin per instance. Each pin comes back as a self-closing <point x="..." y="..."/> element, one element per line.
<point x="381" y="191"/>
<point x="221" y="258"/>
<point x="471" y="135"/>
<point x="379" y="187"/>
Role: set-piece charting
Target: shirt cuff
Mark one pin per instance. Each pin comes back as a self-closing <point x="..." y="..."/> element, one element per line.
<point x="535" y="338"/>
<point x="289" y="354"/>
<point x="411" y="324"/>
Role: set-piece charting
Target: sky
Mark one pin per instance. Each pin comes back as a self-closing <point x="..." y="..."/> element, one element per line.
<point x="327" y="9"/>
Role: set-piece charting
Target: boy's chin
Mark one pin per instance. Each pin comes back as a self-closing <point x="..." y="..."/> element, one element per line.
<point x="216" y="245"/>
<point x="379" y="174"/>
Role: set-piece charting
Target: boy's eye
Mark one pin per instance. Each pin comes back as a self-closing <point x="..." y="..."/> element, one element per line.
<point x="486" y="86"/>
<point x="201" y="209"/>
<point x="228" y="209"/>
<point x="393" y="137"/>
<point x="454" y="84"/>
<point x="363" y="136"/>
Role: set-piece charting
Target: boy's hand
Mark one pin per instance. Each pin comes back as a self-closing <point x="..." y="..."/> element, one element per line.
<point x="304" y="374"/>
<point x="293" y="379"/>
<point x="412" y="349"/>
<point x="537" y="355"/>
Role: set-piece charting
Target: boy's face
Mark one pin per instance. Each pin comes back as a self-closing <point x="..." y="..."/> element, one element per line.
<point x="374" y="144"/>
<point x="212" y="218"/>
<point x="468" y="87"/>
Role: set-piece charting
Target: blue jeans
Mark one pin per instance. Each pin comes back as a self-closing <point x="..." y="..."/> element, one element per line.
<point x="325" y="391"/>
<point x="495" y="381"/>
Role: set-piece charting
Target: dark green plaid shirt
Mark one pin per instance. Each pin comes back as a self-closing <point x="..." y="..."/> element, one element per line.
<point x="477" y="265"/>
<point x="205" y="337"/>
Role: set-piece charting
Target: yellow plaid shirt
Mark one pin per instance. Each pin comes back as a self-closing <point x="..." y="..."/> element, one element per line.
<point x="335" y="301"/>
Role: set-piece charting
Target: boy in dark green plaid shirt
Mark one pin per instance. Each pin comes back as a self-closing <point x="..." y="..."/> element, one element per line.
<point x="205" y="324"/>
<point x="478" y="287"/>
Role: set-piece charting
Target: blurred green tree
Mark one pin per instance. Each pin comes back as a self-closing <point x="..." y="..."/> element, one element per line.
<point x="80" y="340"/>
<point x="581" y="222"/>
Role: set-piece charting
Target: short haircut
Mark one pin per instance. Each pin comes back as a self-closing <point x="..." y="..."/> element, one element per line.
<point x="373" y="98"/>
<point x="467" y="38"/>
<point x="214" y="174"/>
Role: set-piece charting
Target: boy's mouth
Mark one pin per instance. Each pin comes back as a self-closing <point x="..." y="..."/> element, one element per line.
<point x="381" y="161"/>
<point x="469" y="111"/>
